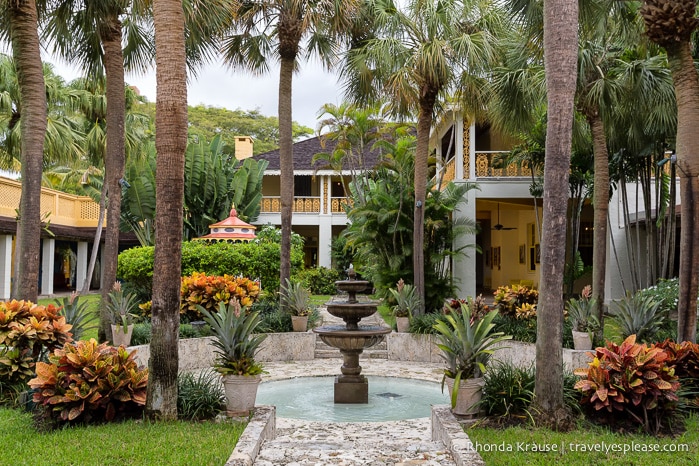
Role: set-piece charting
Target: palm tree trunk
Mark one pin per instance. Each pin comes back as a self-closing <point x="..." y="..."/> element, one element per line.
<point x="424" y="124"/>
<point x="30" y="75"/>
<point x="601" y="209"/>
<point x="114" y="161"/>
<point x="286" y="164"/>
<point x="171" y="143"/>
<point x="560" y="56"/>
<point x="687" y="91"/>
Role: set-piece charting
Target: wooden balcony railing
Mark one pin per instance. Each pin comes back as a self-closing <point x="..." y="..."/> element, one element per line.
<point x="488" y="164"/>
<point x="337" y="204"/>
<point x="273" y="204"/>
<point x="62" y="208"/>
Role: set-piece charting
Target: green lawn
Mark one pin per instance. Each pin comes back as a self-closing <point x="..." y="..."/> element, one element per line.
<point x="128" y="443"/>
<point x="591" y="443"/>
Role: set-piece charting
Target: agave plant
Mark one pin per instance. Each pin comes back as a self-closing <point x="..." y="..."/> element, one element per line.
<point x="466" y="344"/>
<point x="235" y="343"/>
<point x="638" y="315"/>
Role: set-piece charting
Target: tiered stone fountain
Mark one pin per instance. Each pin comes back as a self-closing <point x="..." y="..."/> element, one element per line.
<point x="351" y="339"/>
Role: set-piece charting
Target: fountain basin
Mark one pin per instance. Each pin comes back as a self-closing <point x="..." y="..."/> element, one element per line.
<point x="390" y="399"/>
<point x="339" y="337"/>
<point x="352" y="286"/>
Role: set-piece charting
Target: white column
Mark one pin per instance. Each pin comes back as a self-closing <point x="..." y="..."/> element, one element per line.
<point x="465" y="265"/>
<point x="325" y="231"/>
<point x="81" y="266"/>
<point x="48" y="251"/>
<point x="5" y="266"/>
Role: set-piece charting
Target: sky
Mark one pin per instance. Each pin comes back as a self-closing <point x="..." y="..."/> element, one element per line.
<point x="218" y="86"/>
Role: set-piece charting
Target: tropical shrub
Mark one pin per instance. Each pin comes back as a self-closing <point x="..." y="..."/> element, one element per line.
<point x="424" y="324"/>
<point x="206" y="291"/>
<point x="257" y="259"/>
<point x="199" y="396"/>
<point x="86" y="382"/>
<point x="523" y="330"/>
<point x="639" y="315"/>
<point x="27" y="329"/>
<point x="684" y="357"/>
<point x="508" y="390"/>
<point x="516" y="301"/>
<point x="381" y="226"/>
<point x="295" y="298"/>
<point x="666" y="292"/>
<point x="319" y="280"/>
<point x="632" y="380"/>
<point x="477" y="306"/>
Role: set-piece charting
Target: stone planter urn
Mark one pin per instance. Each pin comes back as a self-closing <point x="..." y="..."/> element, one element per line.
<point x="241" y="392"/>
<point x="119" y="337"/>
<point x="299" y="323"/>
<point x="469" y="395"/>
<point x="403" y="324"/>
<point x="582" y="340"/>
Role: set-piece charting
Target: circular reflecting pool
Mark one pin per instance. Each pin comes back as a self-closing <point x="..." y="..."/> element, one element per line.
<point x="390" y="399"/>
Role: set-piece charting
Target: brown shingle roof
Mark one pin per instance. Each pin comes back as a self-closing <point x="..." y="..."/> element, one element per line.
<point x="305" y="150"/>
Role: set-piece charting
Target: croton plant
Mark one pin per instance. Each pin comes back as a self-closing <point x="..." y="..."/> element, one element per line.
<point x="631" y="378"/>
<point x="88" y="381"/>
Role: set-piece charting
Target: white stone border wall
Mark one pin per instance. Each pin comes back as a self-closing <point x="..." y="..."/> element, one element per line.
<point x="198" y="353"/>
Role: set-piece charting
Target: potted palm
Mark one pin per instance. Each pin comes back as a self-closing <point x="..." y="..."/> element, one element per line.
<point x="406" y="302"/>
<point x="583" y="319"/>
<point x="467" y="345"/>
<point x="120" y="307"/>
<point x="297" y="301"/>
<point x="236" y="345"/>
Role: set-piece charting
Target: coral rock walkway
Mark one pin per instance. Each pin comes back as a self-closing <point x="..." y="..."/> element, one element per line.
<point x="376" y="443"/>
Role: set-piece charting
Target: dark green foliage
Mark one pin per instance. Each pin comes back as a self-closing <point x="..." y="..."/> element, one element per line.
<point x="253" y="260"/>
<point x="319" y="280"/>
<point x="381" y="228"/>
<point x="341" y="253"/>
<point x="523" y="330"/>
<point x="508" y="390"/>
<point x="424" y="324"/>
<point x="199" y="396"/>
<point x="666" y="292"/>
<point x="277" y="321"/>
<point x="142" y="332"/>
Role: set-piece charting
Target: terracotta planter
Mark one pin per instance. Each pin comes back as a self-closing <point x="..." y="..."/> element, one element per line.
<point x="582" y="340"/>
<point x="403" y="324"/>
<point x="469" y="394"/>
<point x="299" y="323"/>
<point x="241" y="392"/>
<point x="119" y="337"/>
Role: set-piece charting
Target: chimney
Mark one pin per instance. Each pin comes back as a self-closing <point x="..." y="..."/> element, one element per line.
<point x="243" y="147"/>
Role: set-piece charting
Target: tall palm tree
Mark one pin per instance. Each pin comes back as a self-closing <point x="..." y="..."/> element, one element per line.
<point x="19" y="18"/>
<point x="670" y="24"/>
<point x="171" y="143"/>
<point x="415" y="59"/>
<point x="560" y="60"/>
<point x="285" y="31"/>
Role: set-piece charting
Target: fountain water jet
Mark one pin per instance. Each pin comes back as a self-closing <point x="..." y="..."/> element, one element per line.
<point x="351" y="339"/>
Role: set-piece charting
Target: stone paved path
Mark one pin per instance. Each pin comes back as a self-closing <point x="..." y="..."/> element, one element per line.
<point x="382" y="443"/>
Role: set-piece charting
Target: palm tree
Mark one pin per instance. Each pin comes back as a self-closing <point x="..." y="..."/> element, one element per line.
<point x="171" y="143"/>
<point x="670" y="24"/>
<point x="286" y="30"/>
<point x="20" y="19"/>
<point x="560" y="58"/>
<point x="416" y="58"/>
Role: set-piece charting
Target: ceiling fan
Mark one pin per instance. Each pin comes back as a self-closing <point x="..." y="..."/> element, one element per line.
<point x="499" y="226"/>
